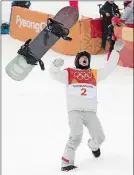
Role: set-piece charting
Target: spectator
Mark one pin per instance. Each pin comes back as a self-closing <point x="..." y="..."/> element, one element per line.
<point x="128" y="15"/>
<point x="111" y="36"/>
<point x="108" y="10"/>
<point x="127" y="3"/>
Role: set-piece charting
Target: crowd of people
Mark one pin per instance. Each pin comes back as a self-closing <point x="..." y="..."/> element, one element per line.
<point x="112" y="17"/>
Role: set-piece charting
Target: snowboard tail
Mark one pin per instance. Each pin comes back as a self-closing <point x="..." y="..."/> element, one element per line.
<point x="18" y="68"/>
<point x="32" y="51"/>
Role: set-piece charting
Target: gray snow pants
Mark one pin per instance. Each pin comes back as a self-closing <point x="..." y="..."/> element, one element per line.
<point x="76" y="121"/>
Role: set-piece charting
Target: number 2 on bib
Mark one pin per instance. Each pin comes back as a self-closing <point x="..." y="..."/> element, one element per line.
<point x="83" y="91"/>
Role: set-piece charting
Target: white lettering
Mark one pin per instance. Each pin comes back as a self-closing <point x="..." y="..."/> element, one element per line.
<point x="24" y="23"/>
<point x="37" y="27"/>
<point x="18" y="20"/>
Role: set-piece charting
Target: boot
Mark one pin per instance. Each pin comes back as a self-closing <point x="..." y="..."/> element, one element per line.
<point x="96" y="153"/>
<point x="68" y="168"/>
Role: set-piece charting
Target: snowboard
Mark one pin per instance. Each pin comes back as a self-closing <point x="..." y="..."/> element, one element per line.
<point x="30" y="54"/>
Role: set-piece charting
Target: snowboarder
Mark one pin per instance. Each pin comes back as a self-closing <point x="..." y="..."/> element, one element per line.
<point x="81" y="83"/>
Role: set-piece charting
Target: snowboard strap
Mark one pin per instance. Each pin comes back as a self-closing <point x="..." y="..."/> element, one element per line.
<point x="58" y="29"/>
<point x="28" y="55"/>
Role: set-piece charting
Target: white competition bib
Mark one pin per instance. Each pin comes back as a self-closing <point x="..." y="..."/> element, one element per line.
<point x="82" y="83"/>
<point x="82" y="90"/>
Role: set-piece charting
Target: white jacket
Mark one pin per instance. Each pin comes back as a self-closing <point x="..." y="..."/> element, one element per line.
<point x="75" y="102"/>
<point x="128" y="15"/>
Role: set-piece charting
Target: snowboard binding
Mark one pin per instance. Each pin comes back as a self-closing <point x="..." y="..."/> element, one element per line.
<point x="28" y="55"/>
<point x="58" y="29"/>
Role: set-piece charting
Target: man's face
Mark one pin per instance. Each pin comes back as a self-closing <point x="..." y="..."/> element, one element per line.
<point x="111" y="1"/>
<point x="83" y="61"/>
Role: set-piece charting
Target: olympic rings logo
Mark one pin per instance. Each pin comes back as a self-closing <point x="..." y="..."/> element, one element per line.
<point x="83" y="75"/>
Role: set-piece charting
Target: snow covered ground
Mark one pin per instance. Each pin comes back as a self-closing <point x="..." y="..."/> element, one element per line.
<point x="35" y="124"/>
